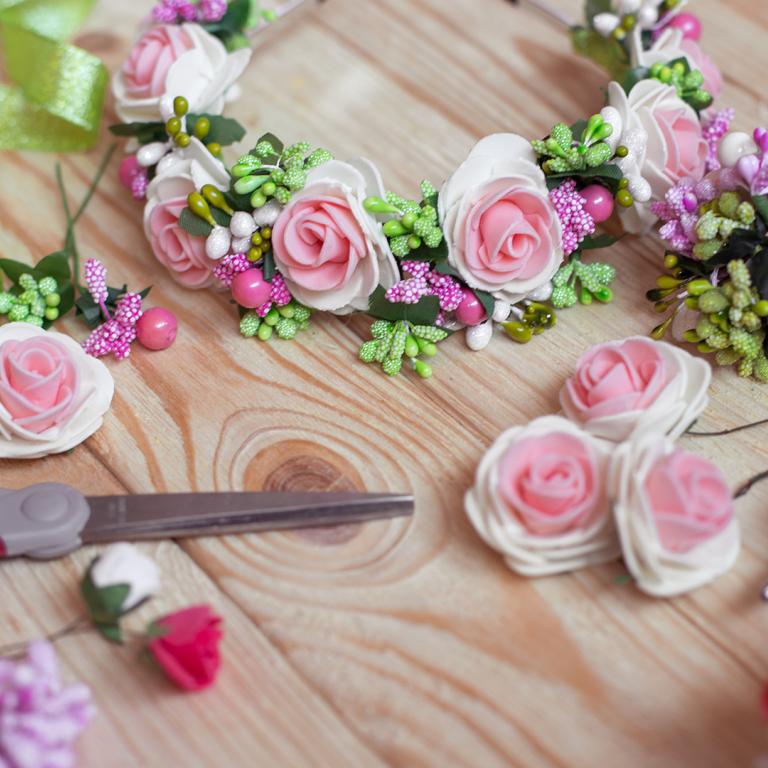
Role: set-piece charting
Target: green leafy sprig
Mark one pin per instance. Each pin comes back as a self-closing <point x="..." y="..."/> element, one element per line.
<point x="395" y="342"/>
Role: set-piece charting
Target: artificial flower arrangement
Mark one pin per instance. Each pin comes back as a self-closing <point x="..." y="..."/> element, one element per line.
<point x="289" y="230"/>
<point x="40" y="718"/>
<point x="606" y="480"/>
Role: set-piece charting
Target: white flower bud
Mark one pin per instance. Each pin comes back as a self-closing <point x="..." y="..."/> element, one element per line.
<point x="151" y="154"/>
<point x="479" y="336"/>
<point x="734" y="146"/>
<point x="605" y="23"/>
<point x="124" y="564"/>
<point x="241" y="244"/>
<point x="218" y="243"/>
<point x="242" y="224"/>
<point x="501" y="311"/>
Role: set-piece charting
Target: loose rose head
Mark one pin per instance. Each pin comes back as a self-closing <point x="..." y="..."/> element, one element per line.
<point x="124" y="565"/>
<point x="40" y="718"/>
<point x="674" y="146"/>
<point x="539" y="498"/>
<point x="330" y="250"/>
<point x="186" y="646"/>
<point x="674" y="514"/>
<point x="181" y="173"/>
<point x="52" y="395"/>
<point x="169" y="61"/>
<point x="502" y="231"/>
<point x="625" y="388"/>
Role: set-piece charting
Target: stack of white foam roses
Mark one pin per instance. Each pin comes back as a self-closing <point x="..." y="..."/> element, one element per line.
<point x="607" y="479"/>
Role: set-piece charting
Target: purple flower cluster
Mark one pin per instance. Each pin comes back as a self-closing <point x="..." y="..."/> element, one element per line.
<point x="714" y="127"/>
<point x="680" y="212"/>
<point x="576" y="222"/>
<point x="174" y="11"/>
<point x="423" y="281"/>
<point x="39" y="717"/>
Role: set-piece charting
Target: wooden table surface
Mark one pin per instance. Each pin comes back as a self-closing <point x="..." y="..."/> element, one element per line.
<point x="406" y="642"/>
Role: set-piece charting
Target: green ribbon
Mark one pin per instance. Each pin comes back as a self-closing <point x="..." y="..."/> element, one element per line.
<point x="57" y="92"/>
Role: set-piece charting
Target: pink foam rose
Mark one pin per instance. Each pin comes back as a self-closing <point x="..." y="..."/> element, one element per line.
<point x="617" y="378"/>
<point x="713" y="78"/>
<point x="38" y="383"/>
<point x="320" y="243"/>
<point x="502" y="231"/>
<point x="686" y="148"/>
<point x="623" y="388"/>
<point x="147" y="66"/>
<point x="549" y="483"/>
<point x="179" y="252"/>
<point x="689" y="500"/>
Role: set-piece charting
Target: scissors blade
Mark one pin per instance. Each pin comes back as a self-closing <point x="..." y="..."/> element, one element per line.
<point x="178" y="515"/>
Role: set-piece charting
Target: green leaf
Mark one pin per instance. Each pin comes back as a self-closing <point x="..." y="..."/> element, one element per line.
<point x="488" y="302"/>
<point x="445" y="268"/>
<point x="15" y="269"/>
<point x="758" y="269"/>
<point x="594" y="242"/>
<point x="268" y="266"/>
<point x="608" y="173"/>
<point x="55" y="265"/>
<point x="111" y="632"/>
<point x="144" y="133"/>
<point x="423" y="253"/>
<point x="607" y="52"/>
<point x="105" y="605"/>
<point x="193" y="224"/>
<point x="424" y="312"/>
<point x="761" y="206"/>
<point x="224" y="130"/>
<point x="235" y="20"/>
<point x="633" y="77"/>
<point x="594" y="7"/>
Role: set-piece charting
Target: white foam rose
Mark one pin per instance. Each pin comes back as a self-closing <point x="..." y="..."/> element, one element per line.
<point x="540" y="499"/>
<point x="674" y="515"/>
<point x="665" y="139"/>
<point x="635" y="386"/>
<point x="176" y="60"/>
<point x="53" y="396"/>
<point x="503" y="234"/>
<point x="330" y="250"/>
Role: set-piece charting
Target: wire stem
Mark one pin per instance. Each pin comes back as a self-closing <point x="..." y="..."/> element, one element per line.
<point x="750" y="484"/>
<point x="16" y="649"/>
<point x="731" y="431"/>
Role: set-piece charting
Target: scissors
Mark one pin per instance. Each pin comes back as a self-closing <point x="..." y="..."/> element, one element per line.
<point x="50" y="520"/>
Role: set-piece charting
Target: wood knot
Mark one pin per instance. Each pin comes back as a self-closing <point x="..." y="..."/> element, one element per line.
<point x="299" y="465"/>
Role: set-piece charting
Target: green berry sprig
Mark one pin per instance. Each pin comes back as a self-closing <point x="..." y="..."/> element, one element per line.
<point x="717" y="222"/>
<point x="562" y="153"/>
<point x="270" y="171"/>
<point x="534" y="320"/>
<point x="394" y="342"/>
<point x="689" y="83"/>
<point x="414" y="224"/>
<point x="37" y="303"/>
<point x="285" y="322"/>
<point x="580" y="282"/>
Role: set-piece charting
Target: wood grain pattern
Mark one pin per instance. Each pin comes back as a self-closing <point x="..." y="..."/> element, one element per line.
<point x="401" y="643"/>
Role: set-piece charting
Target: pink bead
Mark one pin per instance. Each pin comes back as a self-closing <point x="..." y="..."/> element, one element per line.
<point x="129" y="167"/>
<point x="471" y="310"/>
<point x="598" y="202"/>
<point x="689" y="24"/>
<point x="250" y="289"/>
<point x="156" y="328"/>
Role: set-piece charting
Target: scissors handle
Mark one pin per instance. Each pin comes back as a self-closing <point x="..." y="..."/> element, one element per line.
<point x="42" y="521"/>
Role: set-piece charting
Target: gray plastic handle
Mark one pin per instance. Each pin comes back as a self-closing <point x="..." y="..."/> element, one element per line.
<point x="42" y="522"/>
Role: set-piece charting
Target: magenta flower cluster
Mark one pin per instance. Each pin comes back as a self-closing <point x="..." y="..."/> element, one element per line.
<point x="423" y="281"/>
<point x="235" y="263"/>
<point x="575" y="220"/>
<point x="39" y="717"/>
<point x="116" y="334"/>
<point x="175" y="11"/>
<point x="714" y="127"/>
<point x="679" y="210"/>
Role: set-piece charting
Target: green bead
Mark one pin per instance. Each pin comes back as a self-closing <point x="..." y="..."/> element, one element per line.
<point x="34" y="320"/>
<point x="624" y="198"/>
<point x="411" y="347"/>
<point x="27" y="282"/>
<point x="622" y="151"/>
<point x="198" y="205"/>
<point x="301" y="314"/>
<point x="699" y="287"/>
<point x="286" y="328"/>
<point x="660" y="331"/>
<point x="392" y="366"/>
<point x="247" y="184"/>
<point x="180" y="106"/>
<point x="6" y="302"/>
<point x="414" y="242"/>
<point x="51" y="314"/>
<point x="287" y="311"/>
<point x="377" y="205"/>
<point x="265" y="332"/>
<point x="671" y="261"/>
<point x="427" y="348"/>
<point x="409" y="220"/>
<point x="761" y="308"/>
<point x="394" y="228"/>
<point x="28" y="297"/>
<point x="423" y="369"/>
<point x="216" y="198"/>
<point x="173" y="126"/>
<point x="202" y="127"/>
<point x="518" y="332"/>
<point x="272" y="317"/>
<point x="258" y="199"/>
<point x="368" y="351"/>
<point x="249" y="324"/>
<point x="604" y="295"/>
<point x="38" y="307"/>
<point x="18" y="313"/>
<point x="182" y="140"/>
<point x="214" y="148"/>
<point x="269" y="188"/>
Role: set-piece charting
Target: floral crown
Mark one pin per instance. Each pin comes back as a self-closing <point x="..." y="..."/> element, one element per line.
<point x="504" y="241"/>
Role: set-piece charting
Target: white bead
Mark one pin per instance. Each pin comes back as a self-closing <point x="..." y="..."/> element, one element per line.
<point x="605" y="23"/>
<point x="542" y="293"/>
<point x="241" y="244"/>
<point x="151" y="154"/>
<point x="242" y="224"/>
<point x="479" y="336"/>
<point x="218" y="242"/>
<point x="647" y="17"/>
<point x="640" y="189"/>
<point x="501" y="311"/>
<point x="267" y="215"/>
<point x="734" y="146"/>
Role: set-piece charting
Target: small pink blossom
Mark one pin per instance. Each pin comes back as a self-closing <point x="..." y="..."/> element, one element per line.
<point x="231" y="265"/>
<point x="40" y="718"/>
<point x="714" y="127"/>
<point x="173" y="11"/>
<point x="575" y="220"/>
<point x="96" y="280"/>
<point x="423" y="281"/>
